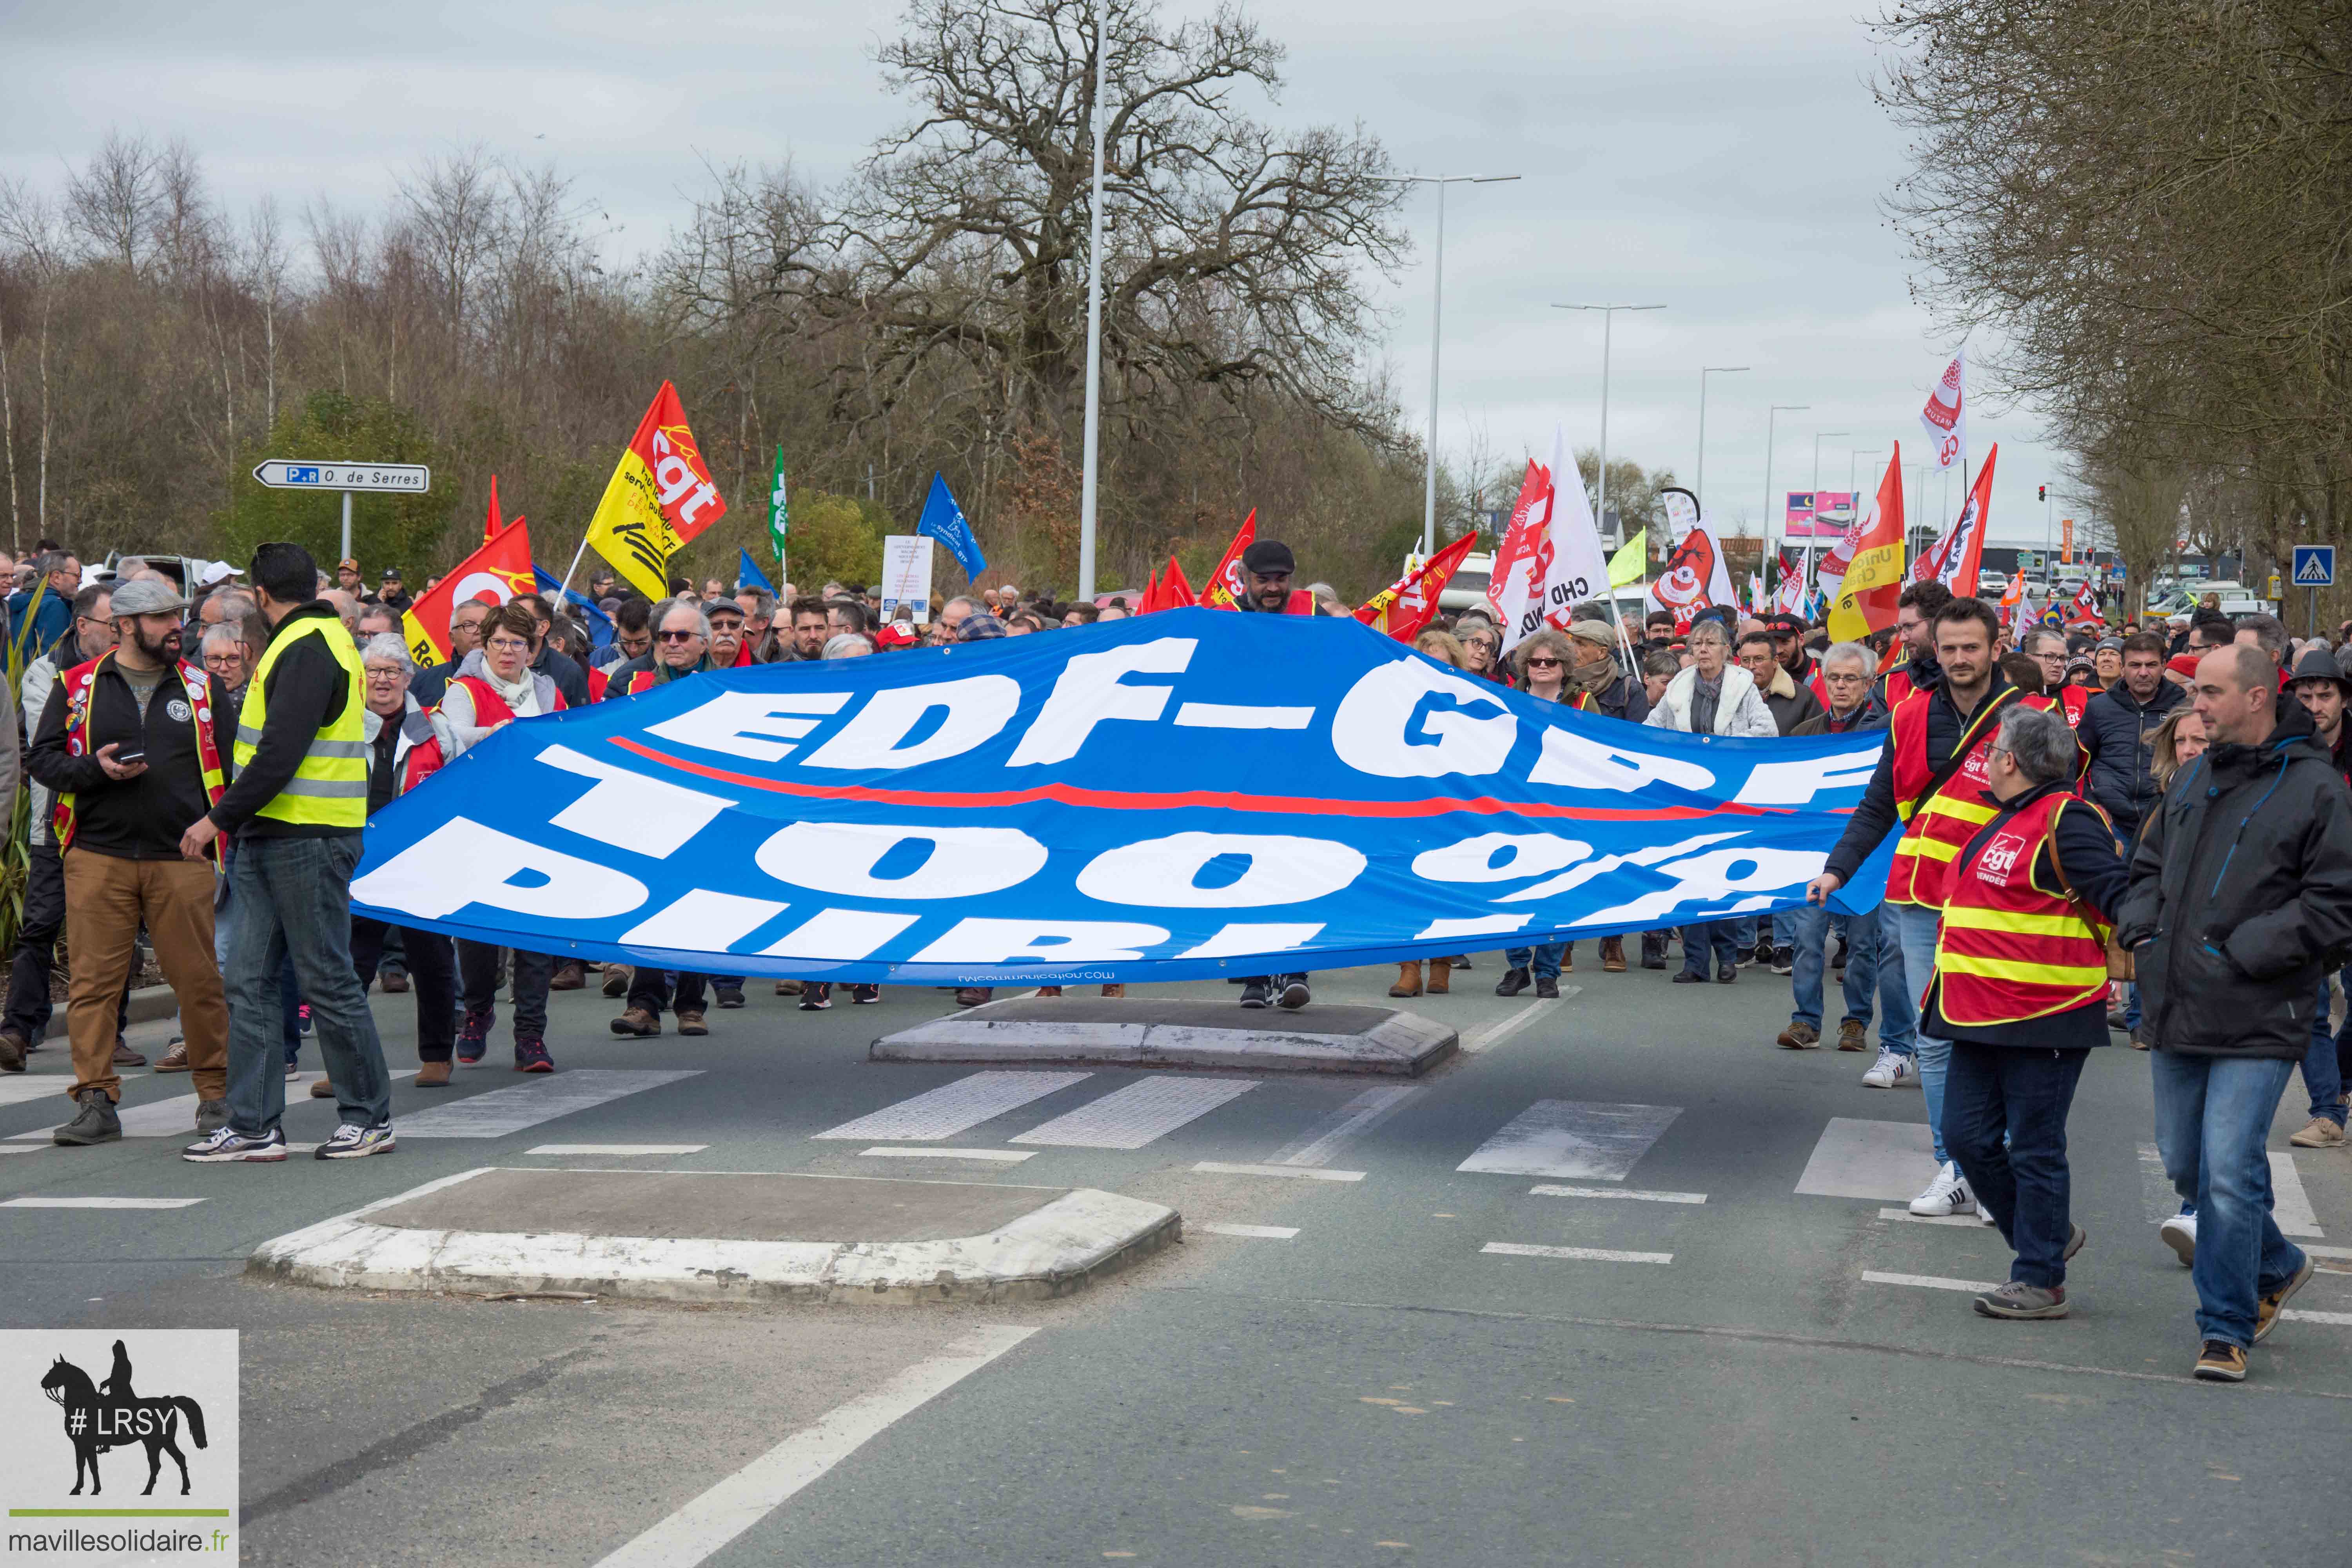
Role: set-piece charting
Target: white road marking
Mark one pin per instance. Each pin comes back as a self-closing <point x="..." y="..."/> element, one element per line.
<point x="2329" y="1251"/>
<point x="1134" y="1116"/>
<point x="2298" y="1315"/>
<point x="1320" y="1142"/>
<point x="19" y="1148"/>
<point x="1859" y="1159"/>
<point x="176" y="1117"/>
<point x="907" y="1152"/>
<point x="101" y="1203"/>
<point x="21" y="1088"/>
<point x="1971" y="1221"/>
<point x="1502" y="1029"/>
<point x="1265" y="1232"/>
<point x="2290" y="1204"/>
<point x="505" y="1110"/>
<point x="1585" y="1254"/>
<point x="1572" y="1137"/>
<point x="952" y="1107"/>
<point x="708" y="1522"/>
<point x="1295" y="1172"/>
<point x="618" y="1148"/>
<point x="1927" y="1281"/>
<point x="1553" y="1192"/>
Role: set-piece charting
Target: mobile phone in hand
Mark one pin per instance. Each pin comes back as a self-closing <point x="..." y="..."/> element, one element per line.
<point x="127" y="758"/>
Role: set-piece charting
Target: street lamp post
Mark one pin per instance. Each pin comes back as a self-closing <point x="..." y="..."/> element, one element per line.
<point x="1698" y="485"/>
<point x="1093" y="332"/>
<point x="1819" y="435"/>
<point x="1771" y="421"/>
<point x="1436" y="314"/>
<point x="1608" y="320"/>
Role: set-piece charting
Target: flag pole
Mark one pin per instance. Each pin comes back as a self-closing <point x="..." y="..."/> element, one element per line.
<point x="573" y="567"/>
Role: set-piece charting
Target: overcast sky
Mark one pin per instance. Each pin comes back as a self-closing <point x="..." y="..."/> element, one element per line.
<point x="1721" y="157"/>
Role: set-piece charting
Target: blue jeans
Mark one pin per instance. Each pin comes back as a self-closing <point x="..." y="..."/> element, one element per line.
<point x="2321" y="1073"/>
<point x="290" y="995"/>
<point x="1916" y="926"/>
<point x="1743" y="932"/>
<point x="1784" y="928"/>
<point x="1543" y="959"/>
<point x="2212" y="1120"/>
<point x="1997" y="1092"/>
<point x="1722" y="939"/>
<point x="293" y="901"/>
<point x="1813" y="924"/>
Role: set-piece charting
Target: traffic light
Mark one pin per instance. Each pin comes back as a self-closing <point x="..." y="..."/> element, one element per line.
<point x="2042" y="493"/>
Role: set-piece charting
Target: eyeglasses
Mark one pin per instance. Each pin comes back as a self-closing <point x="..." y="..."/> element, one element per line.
<point x="509" y="645"/>
<point x="679" y="636"/>
<point x="223" y="660"/>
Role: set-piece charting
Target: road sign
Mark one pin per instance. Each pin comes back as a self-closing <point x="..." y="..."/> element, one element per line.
<point x="2314" y="565"/>
<point x="400" y="478"/>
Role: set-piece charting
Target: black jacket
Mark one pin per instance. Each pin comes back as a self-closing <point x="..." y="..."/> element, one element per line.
<point x="1623" y="698"/>
<point x="2117" y="738"/>
<point x="616" y="683"/>
<point x="428" y="686"/>
<point x="2241" y="896"/>
<point x="305" y="692"/>
<point x="565" y="671"/>
<point x="2086" y="860"/>
<point x="138" y="818"/>
<point x="1875" y="818"/>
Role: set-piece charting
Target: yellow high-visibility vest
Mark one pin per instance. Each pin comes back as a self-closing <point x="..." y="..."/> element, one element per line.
<point x="329" y="788"/>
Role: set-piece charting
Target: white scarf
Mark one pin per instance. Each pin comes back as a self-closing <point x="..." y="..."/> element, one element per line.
<point x="521" y="696"/>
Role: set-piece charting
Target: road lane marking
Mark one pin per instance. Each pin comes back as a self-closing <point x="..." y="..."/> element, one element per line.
<point x="23" y="1089"/>
<point x="954" y="1108"/>
<point x="176" y="1117"/>
<point x="1264" y="1232"/>
<point x="1555" y="1191"/>
<point x="1494" y="1034"/>
<point x="2297" y="1314"/>
<point x="906" y="1152"/>
<point x="1295" y="1172"/>
<point x="708" y="1522"/>
<point x="618" y="1148"/>
<point x="1927" y="1281"/>
<point x="1319" y="1144"/>
<point x="1861" y="1159"/>
<point x="506" y="1111"/>
<point x="1971" y="1221"/>
<point x="1134" y="1116"/>
<point x="1572" y="1137"/>
<point x="1585" y="1254"/>
<point x="101" y="1203"/>
<point x="2329" y="1251"/>
<point x="2291" y="1208"/>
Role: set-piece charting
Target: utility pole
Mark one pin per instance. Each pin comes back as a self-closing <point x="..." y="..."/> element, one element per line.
<point x="1608" y="318"/>
<point x="1094" y="329"/>
<point x="1698" y="485"/>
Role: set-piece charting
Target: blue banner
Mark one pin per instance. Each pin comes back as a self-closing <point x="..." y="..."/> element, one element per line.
<point x="1181" y="795"/>
<point x="944" y="521"/>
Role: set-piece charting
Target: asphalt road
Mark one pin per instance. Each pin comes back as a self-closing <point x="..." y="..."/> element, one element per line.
<point x="1718" y="1381"/>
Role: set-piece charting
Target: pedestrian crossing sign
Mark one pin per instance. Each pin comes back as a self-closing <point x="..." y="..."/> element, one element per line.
<point x="2314" y="565"/>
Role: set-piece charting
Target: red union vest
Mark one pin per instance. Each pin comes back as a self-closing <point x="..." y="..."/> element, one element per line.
<point x="196" y="684"/>
<point x="489" y="708"/>
<point x="1938" y="827"/>
<point x="1898" y="685"/>
<point x="2071" y="701"/>
<point x="2008" y="949"/>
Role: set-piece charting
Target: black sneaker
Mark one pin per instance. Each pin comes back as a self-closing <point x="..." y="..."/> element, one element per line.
<point x="95" y="1123"/>
<point x="228" y="1146"/>
<point x="530" y="1056"/>
<point x="1546" y="988"/>
<point x="816" y="996"/>
<point x="1513" y="981"/>
<point x="729" y="995"/>
<point x="1295" y="994"/>
<point x="352" y="1141"/>
<point x="474" y="1035"/>
<point x="1784" y="960"/>
<point x="862" y="994"/>
<point x="1254" y="993"/>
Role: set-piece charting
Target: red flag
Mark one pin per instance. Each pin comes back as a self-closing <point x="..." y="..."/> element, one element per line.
<point x="494" y="574"/>
<point x="1151" y="594"/>
<point x="1175" y="593"/>
<point x="2083" y="609"/>
<point x="1406" y="606"/>
<point x="490" y="525"/>
<point x="1225" y="586"/>
<point x="1955" y="557"/>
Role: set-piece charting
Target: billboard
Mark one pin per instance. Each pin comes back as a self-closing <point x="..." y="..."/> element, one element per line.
<point x="1818" y="514"/>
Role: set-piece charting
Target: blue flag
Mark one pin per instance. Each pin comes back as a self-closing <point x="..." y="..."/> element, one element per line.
<point x="1187" y="795"/>
<point x="748" y="575"/>
<point x="944" y="521"/>
<point x="600" y="625"/>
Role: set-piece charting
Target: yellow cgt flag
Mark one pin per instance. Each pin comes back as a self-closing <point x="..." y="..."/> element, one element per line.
<point x="660" y="497"/>
<point x="1873" y="580"/>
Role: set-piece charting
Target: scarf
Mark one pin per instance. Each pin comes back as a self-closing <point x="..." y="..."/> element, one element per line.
<point x="521" y="695"/>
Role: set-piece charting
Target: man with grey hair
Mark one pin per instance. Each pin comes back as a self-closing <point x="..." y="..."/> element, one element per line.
<point x="36" y="631"/>
<point x="681" y="648"/>
<point x="2020" y="988"/>
<point x="952" y="614"/>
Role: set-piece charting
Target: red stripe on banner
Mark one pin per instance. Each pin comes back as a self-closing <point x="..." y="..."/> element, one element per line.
<point x="1132" y="800"/>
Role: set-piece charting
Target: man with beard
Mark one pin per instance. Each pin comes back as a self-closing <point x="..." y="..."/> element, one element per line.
<point x="127" y="741"/>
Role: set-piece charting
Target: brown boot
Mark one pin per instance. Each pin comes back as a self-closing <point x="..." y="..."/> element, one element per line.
<point x="1049" y="991"/>
<point x="1440" y="976"/>
<point x="1612" y="955"/>
<point x="616" y="979"/>
<point x="433" y="1075"/>
<point x="571" y="976"/>
<point x="638" y="1022"/>
<point x="124" y="1057"/>
<point x="1114" y="990"/>
<point x="788" y="987"/>
<point x="691" y="1023"/>
<point x="1568" y="959"/>
<point x="1408" y="980"/>
<point x="322" y="1090"/>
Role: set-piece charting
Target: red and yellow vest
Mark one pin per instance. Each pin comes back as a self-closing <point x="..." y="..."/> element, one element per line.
<point x="1938" y="828"/>
<point x="2008" y="949"/>
<point x="79" y="681"/>
<point x="489" y="708"/>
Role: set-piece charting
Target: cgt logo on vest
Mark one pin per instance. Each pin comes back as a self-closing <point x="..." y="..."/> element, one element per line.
<point x="2000" y="859"/>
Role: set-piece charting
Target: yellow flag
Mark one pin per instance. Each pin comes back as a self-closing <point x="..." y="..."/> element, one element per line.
<point x="1873" y="580"/>
<point x="660" y="496"/>
<point x="1631" y="564"/>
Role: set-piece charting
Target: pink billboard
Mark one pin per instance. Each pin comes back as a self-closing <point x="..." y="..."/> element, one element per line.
<point x="1818" y="514"/>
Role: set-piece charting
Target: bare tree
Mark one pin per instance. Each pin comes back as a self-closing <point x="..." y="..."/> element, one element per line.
<point x="114" y="202"/>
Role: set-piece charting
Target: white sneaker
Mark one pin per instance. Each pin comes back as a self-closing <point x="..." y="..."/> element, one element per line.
<point x="1947" y="1194"/>
<point x="1891" y="1071"/>
<point x="2179" y="1233"/>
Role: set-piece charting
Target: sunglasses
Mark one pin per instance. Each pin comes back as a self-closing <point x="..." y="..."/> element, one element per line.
<point x="1543" y="664"/>
<point x="679" y="636"/>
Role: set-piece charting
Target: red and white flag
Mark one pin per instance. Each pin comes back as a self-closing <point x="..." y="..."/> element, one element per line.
<point x="2083" y="609"/>
<point x="1954" y="559"/>
<point x="1946" y="415"/>
<point x="1694" y="578"/>
<point x="1551" y="559"/>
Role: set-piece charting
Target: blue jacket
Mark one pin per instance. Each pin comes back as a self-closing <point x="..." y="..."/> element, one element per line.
<point x="55" y="619"/>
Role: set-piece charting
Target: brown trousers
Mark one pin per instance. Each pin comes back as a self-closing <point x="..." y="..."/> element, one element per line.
<point x="107" y="899"/>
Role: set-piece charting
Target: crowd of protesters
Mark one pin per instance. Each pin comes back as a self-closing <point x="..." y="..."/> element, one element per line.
<point x="2136" y="829"/>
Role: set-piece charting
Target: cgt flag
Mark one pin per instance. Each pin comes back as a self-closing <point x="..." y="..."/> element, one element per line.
<point x="659" y="498"/>
<point x="1946" y="415"/>
<point x="1175" y="593"/>
<point x="1873" y="577"/>
<point x="1405" y="607"/>
<point x="494" y="574"/>
<point x="1224" y="589"/>
<point x="1954" y="560"/>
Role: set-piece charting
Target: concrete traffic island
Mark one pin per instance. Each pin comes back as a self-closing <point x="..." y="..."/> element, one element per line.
<point x="725" y="1236"/>
<point x="1164" y="1032"/>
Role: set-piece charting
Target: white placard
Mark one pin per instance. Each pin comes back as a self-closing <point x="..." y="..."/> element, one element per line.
<point x="907" y="576"/>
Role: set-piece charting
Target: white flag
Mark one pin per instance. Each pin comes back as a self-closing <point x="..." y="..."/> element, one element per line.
<point x="1568" y="560"/>
<point x="1946" y="415"/>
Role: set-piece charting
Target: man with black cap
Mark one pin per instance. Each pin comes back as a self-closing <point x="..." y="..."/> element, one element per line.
<point x="1267" y="567"/>
<point x="394" y="597"/>
<point x="1789" y="647"/>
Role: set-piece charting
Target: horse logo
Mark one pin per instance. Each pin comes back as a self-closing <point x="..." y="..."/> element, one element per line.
<point x="112" y="1417"/>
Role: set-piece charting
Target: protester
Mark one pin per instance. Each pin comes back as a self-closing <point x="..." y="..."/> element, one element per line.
<point x="57" y="578"/>
<point x="1596" y="682"/>
<point x="298" y="807"/>
<point x="808" y="630"/>
<point x="2117" y="731"/>
<point x="846" y="615"/>
<point x="848" y="644"/>
<point x="504" y="687"/>
<point x="465" y="637"/>
<point x="1481" y="647"/>
<point x="1788" y="703"/>
<point x="2240" y="892"/>
<point x="2019" y="988"/>
<point x="1914" y="668"/>
<point x="729" y="650"/>
<point x="1846" y="669"/>
<point x="1788" y="650"/>
<point x="570" y="677"/>
<point x="1712" y="696"/>
<point x="1267" y="567"/>
<point x="2319" y="684"/>
<point x="681" y="640"/>
<point x="760" y="631"/>
<point x="1931" y="779"/>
